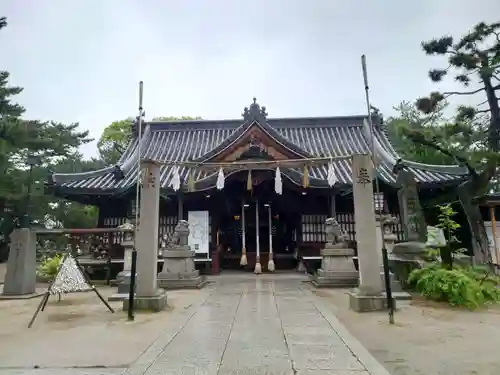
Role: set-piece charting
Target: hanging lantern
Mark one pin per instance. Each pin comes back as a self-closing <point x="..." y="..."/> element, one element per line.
<point x="220" y="180"/>
<point x="191" y="180"/>
<point x="278" y="183"/>
<point x="331" y="178"/>
<point x="175" y="183"/>
<point x="305" y="178"/>
<point x="249" y="181"/>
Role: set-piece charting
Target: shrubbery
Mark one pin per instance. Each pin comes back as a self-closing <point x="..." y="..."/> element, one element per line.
<point x="459" y="286"/>
<point x="442" y="280"/>
<point x="47" y="270"/>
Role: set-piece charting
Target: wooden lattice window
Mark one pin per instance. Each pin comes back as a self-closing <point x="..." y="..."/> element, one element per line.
<point x="313" y="228"/>
<point x="166" y="228"/>
<point x="346" y="221"/>
<point x="113" y="222"/>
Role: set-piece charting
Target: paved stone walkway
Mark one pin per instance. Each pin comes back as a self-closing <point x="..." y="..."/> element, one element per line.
<point x="267" y="325"/>
<point x="258" y="326"/>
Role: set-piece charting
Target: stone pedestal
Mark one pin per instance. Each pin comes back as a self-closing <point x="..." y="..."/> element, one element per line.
<point x="20" y="278"/>
<point x="123" y="277"/>
<point x="405" y="257"/>
<point x="337" y="268"/>
<point x="179" y="269"/>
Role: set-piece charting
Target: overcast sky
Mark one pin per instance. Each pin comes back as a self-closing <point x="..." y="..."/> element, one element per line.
<point x="81" y="60"/>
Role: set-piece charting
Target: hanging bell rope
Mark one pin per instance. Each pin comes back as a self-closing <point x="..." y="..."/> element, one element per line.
<point x="305" y="177"/>
<point x="249" y="180"/>
<point x="220" y="180"/>
<point x="278" y="183"/>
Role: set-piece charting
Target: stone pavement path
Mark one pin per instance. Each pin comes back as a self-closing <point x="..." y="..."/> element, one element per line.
<point x="258" y="326"/>
<point x="267" y="325"/>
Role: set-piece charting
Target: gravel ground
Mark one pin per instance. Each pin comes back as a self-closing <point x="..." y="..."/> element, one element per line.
<point x="80" y="331"/>
<point x="427" y="339"/>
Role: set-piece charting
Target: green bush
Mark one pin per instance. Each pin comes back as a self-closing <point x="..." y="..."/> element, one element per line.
<point x="49" y="267"/>
<point x="465" y="287"/>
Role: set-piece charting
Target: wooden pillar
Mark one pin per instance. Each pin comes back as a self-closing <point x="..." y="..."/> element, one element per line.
<point x="494" y="232"/>
<point x="333" y="209"/>
<point x="215" y="240"/>
<point x="180" y="207"/>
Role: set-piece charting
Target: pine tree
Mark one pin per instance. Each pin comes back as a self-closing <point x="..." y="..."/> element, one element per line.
<point x="474" y="61"/>
<point x="20" y="140"/>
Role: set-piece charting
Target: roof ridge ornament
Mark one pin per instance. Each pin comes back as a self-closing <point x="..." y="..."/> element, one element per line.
<point x="255" y="112"/>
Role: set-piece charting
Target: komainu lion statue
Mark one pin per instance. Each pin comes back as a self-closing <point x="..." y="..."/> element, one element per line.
<point x="180" y="235"/>
<point x="334" y="232"/>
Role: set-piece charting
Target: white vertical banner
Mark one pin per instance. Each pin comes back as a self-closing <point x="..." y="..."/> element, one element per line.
<point x="199" y="234"/>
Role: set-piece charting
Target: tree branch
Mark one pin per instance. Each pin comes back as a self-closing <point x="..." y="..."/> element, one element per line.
<point x="118" y="148"/>
<point x="460" y="160"/>
<point x="483" y="111"/>
<point x="463" y="92"/>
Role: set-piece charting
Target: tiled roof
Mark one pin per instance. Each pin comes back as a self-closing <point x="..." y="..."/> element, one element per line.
<point x="321" y="137"/>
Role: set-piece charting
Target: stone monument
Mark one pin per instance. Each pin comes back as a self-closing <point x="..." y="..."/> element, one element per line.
<point x="337" y="267"/>
<point x="178" y="268"/>
<point x="411" y="253"/>
<point x="20" y="278"/>
<point x="414" y="227"/>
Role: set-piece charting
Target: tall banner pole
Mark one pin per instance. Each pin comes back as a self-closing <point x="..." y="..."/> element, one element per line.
<point x="258" y="267"/>
<point x="270" y="263"/>
<point x="133" y="266"/>
<point x="243" y="261"/>
<point x="385" y="258"/>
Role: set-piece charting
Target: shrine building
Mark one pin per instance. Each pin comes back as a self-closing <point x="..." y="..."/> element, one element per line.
<point x="250" y="212"/>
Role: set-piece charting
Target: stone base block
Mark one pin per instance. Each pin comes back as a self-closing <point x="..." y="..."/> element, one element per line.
<point x="10" y="297"/>
<point x="178" y="275"/>
<point x="395" y="284"/>
<point x="181" y="252"/>
<point x="155" y="304"/>
<point x="362" y="303"/>
<point x="182" y="283"/>
<point x="335" y="279"/>
<point x="118" y="297"/>
<point x="123" y="283"/>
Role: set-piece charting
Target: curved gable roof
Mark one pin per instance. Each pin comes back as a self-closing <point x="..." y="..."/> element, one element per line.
<point x="305" y="137"/>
